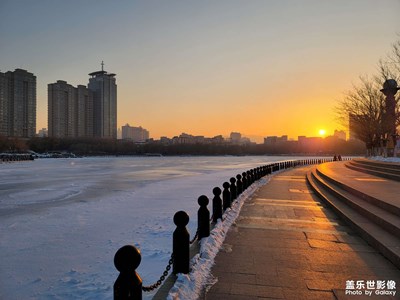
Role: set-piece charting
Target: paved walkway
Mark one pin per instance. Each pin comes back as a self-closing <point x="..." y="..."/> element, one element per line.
<point x="288" y="245"/>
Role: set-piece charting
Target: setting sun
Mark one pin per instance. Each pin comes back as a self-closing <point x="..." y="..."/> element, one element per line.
<point x="322" y="132"/>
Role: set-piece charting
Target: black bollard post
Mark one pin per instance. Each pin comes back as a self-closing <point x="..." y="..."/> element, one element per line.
<point x="128" y="284"/>
<point x="254" y="173"/>
<point x="180" y="244"/>
<point x="226" y="195"/>
<point x="203" y="218"/>
<point x="239" y="184"/>
<point x="217" y="205"/>
<point x="233" y="189"/>
<point x="244" y="181"/>
<point x="249" y="178"/>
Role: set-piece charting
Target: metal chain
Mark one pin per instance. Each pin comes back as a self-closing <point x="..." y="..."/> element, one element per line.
<point x="162" y="278"/>
<point x="195" y="237"/>
<point x="167" y="269"/>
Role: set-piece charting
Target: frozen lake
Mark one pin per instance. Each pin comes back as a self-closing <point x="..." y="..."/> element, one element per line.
<point x="62" y="220"/>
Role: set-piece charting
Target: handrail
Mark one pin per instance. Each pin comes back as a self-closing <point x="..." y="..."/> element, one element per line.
<point x="129" y="284"/>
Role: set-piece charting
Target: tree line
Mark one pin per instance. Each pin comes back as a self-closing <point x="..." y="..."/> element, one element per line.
<point x="93" y="146"/>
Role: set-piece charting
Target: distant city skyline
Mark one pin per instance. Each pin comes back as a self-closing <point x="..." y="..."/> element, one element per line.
<point x="260" y="68"/>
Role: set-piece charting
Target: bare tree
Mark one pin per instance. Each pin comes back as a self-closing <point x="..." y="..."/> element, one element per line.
<point x="389" y="66"/>
<point x="362" y="109"/>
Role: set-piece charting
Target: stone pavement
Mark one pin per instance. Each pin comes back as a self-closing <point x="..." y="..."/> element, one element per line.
<point x="286" y="244"/>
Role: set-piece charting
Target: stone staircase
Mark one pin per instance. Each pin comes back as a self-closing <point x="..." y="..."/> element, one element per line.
<point x="376" y="219"/>
<point x="376" y="168"/>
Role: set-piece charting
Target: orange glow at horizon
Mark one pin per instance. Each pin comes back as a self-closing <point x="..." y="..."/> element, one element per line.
<point x="206" y="68"/>
<point x="294" y="113"/>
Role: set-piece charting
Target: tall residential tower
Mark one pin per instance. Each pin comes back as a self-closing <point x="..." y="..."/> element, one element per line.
<point x="70" y="110"/>
<point x="18" y="103"/>
<point x="104" y="88"/>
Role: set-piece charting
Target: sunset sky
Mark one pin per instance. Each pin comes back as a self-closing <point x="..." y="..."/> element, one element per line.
<point x="205" y="67"/>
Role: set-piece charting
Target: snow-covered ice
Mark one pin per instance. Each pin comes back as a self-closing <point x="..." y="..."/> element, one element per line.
<point x="62" y="220"/>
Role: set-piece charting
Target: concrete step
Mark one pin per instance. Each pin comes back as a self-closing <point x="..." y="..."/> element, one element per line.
<point x="385" y="205"/>
<point x="382" y="217"/>
<point x="381" y="169"/>
<point x="375" y="225"/>
<point x="376" y="163"/>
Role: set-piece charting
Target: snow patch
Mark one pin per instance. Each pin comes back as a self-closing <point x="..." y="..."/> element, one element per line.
<point x="385" y="159"/>
<point x="189" y="286"/>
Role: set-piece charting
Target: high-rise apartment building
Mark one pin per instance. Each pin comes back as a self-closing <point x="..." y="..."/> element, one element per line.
<point x="136" y="134"/>
<point x="18" y="103"/>
<point x="70" y="110"/>
<point x="340" y="134"/>
<point x="4" y="119"/>
<point x="104" y="88"/>
<point x="353" y="123"/>
<point x="84" y="111"/>
<point x="60" y="106"/>
<point x="235" y="137"/>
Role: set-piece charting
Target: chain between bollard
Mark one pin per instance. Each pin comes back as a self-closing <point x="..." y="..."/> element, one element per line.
<point x="195" y="237"/>
<point x="162" y="278"/>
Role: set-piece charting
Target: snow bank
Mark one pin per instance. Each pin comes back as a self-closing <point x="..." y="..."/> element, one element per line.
<point x="385" y="159"/>
<point x="189" y="286"/>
